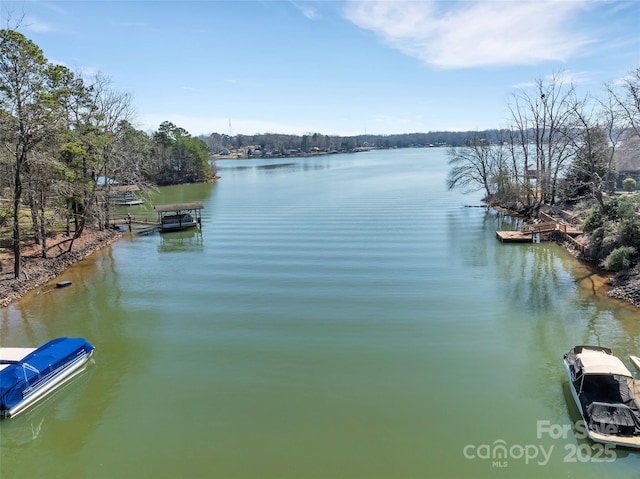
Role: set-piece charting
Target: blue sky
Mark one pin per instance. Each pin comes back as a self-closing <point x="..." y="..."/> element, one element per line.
<point x="332" y="67"/>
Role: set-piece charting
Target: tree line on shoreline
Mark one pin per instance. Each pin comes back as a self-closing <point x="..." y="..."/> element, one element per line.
<point x="561" y="151"/>
<point x="277" y="144"/>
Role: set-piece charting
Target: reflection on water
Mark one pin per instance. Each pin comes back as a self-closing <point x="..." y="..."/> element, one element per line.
<point x="177" y="241"/>
<point x="277" y="165"/>
<point x="43" y="421"/>
<point x="340" y="317"/>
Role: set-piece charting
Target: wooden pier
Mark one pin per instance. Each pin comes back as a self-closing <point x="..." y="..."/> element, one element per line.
<point x="547" y="228"/>
<point x="514" y="237"/>
<point x="139" y="223"/>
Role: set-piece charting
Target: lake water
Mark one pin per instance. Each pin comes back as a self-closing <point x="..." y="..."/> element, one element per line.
<point x="343" y="316"/>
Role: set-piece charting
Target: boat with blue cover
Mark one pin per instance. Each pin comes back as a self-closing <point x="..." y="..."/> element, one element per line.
<point x="27" y="375"/>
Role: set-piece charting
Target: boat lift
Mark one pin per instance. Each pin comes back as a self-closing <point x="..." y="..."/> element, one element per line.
<point x="179" y="216"/>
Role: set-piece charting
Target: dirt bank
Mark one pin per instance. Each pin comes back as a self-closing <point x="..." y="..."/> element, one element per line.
<point x="37" y="270"/>
<point x="624" y="286"/>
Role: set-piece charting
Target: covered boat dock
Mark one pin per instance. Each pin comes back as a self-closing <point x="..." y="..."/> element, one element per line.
<point x="179" y="216"/>
<point x="124" y="195"/>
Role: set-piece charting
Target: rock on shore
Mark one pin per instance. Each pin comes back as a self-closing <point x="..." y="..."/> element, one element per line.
<point x="37" y="270"/>
<point x="626" y="286"/>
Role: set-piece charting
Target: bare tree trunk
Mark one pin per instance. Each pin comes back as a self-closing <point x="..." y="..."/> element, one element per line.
<point x="43" y="227"/>
<point x="17" y="252"/>
<point x="33" y="206"/>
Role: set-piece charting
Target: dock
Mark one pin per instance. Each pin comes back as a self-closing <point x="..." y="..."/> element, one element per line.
<point x="125" y="195"/>
<point x="514" y="237"/>
<point x="170" y="217"/>
<point x="139" y="223"/>
<point x="546" y="228"/>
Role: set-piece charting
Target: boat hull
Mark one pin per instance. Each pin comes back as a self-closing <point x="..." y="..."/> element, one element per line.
<point x="632" y="441"/>
<point x="592" y="435"/>
<point x="27" y="381"/>
<point x="178" y="226"/>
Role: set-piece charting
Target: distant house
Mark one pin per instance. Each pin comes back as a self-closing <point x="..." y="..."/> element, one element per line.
<point x="532" y="172"/>
<point x="627" y="159"/>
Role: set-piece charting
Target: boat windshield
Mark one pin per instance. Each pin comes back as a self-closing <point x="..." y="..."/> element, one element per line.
<point x="605" y="388"/>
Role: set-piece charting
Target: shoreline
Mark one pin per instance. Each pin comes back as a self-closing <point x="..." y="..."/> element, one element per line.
<point x="626" y="287"/>
<point x="37" y="271"/>
<point x="623" y="286"/>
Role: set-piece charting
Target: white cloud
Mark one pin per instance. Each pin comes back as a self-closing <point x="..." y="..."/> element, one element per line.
<point x="473" y="33"/>
<point x="563" y="77"/>
<point x="307" y="10"/>
<point x="625" y="80"/>
<point x="524" y="85"/>
<point x="568" y="77"/>
<point x="32" y="24"/>
<point x="53" y="7"/>
<point x="89" y="71"/>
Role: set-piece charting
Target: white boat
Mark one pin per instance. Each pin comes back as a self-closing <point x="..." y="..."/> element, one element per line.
<point x="27" y="375"/>
<point x="635" y="360"/>
<point x="606" y="394"/>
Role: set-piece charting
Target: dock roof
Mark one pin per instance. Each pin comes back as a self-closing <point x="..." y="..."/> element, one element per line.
<point x="124" y="188"/>
<point x="179" y="207"/>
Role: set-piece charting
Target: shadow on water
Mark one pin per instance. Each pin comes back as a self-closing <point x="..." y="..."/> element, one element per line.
<point x="39" y="422"/>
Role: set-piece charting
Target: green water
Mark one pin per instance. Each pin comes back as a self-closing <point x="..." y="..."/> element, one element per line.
<point x="336" y="317"/>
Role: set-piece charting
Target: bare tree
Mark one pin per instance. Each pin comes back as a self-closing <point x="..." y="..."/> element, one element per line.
<point x="473" y="166"/>
<point x="625" y="97"/>
<point x="95" y="114"/>
<point x="544" y="121"/>
<point x="593" y="171"/>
